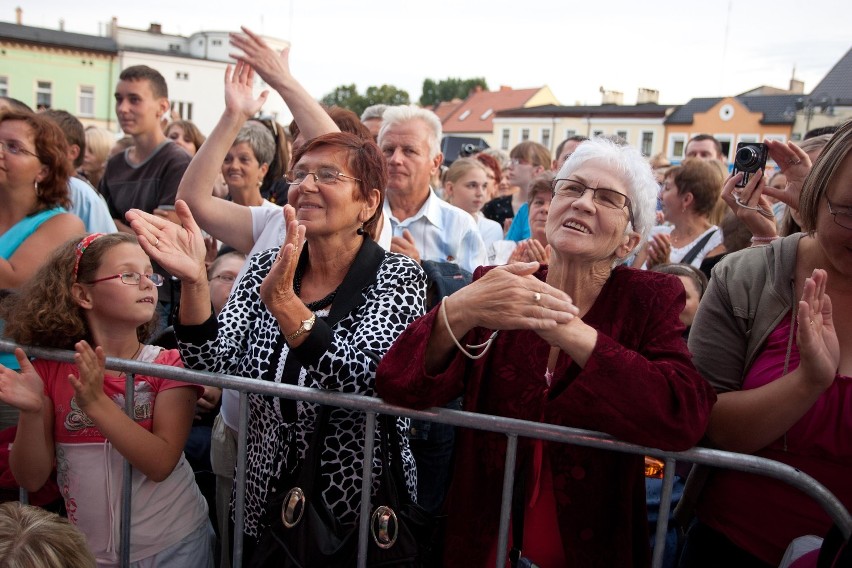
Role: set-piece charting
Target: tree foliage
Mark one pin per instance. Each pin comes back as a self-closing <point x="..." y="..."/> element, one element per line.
<point x="347" y="96"/>
<point x="449" y="89"/>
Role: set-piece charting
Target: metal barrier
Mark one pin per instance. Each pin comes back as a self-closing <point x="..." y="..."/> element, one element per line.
<point x="511" y="427"/>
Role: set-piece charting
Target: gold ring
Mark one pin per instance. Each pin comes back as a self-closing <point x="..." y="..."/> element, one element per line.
<point x="537" y="297"/>
<point x="156" y="242"/>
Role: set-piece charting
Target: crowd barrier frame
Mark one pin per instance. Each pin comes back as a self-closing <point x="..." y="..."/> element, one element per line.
<point x="511" y="427"/>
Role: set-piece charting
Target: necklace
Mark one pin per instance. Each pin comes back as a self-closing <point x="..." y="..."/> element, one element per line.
<point x="313" y="306"/>
<point x="135" y="353"/>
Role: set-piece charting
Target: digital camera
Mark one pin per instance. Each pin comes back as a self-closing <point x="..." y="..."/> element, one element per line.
<point x="468" y="150"/>
<point x="750" y="157"/>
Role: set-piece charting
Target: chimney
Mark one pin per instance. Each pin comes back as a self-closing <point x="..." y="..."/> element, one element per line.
<point x="611" y="97"/>
<point x="155" y="29"/>
<point x="19" y="16"/>
<point x="504" y="88"/>
<point x="648" y="96"/>
<point x="797" y="87"/>
<point x="61" y="25"/>
<point x="113" y="28"/>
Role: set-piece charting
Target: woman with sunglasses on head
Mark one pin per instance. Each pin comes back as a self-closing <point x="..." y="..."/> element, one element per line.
<point x="584" y="343"/>
<point x="98" y="296"/>
<point x="309" y="314"/>
<point x="773" y="335"/>
<point x="34" y="172"/>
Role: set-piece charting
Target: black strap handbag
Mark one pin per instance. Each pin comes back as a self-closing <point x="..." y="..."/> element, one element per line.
<point x="302" y="533"/>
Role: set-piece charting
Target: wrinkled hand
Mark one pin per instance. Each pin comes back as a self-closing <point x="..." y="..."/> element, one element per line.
<point x="405" y="245"/>
<point x="22" y="389"/>
<point x="212" y="247"/>
<point x="795" y="164"/>
<point x="89" y="384"/>
<point x="819" y="349"/>
<point x="178" y="249"/>
<point x="238" y="91"/>
<point x="276" y="290"/>
<point x="659" y="249"/>
<point x="760" y="221"/>
<point x="274" y="68"/>
<point x="505" y="298"/>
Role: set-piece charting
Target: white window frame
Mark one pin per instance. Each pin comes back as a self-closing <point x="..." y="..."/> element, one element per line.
<point x="547" y="140"/>
<point x="626" y="136"/>
<point x="40" y="90"/>
<point x="642" y="141"/>
<point x="732" y="147"/>
<point x="87" y="97"/>
<point x="673" y="139"/>
<point x="4" y="85"/>
<point x="525" y="134"/>
<point x="569" y="132"/>
<point x="505" y="138"/>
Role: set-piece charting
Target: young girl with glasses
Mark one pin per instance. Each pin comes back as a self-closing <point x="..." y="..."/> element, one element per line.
<point x="98" y="296"/>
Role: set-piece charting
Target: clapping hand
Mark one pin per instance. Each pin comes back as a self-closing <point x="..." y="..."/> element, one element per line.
<point x="659" y="249"/>
<point x="22" y="389"/>
<point x="276" y="290"/>
<point x="89" y="382"/>
<point x="274" y="68"/>
<point x="819" y="349"/>
<point x="238" y="91"/>
<point x="180" y="249"/>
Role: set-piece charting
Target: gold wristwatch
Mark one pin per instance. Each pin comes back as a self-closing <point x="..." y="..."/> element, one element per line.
<point x="307" y="325"/>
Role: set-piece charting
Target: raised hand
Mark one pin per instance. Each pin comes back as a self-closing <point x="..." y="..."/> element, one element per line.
<point x="274" y="68"/>
<point x="239" y="97"/>
<point x="180" y="249"/>
<point x="795" y="164"/>
<point x="750" y="205"/>
<point x="276" y="290"/>
<point x="405" y="245"/>
<point x="819" y="349"/>
<point x="89" y="382"/>
<point x="659" y="249"/>
<point x="22" y="389"/>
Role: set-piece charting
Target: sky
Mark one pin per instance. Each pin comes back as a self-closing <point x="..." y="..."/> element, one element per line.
<point x="683" y="49"/>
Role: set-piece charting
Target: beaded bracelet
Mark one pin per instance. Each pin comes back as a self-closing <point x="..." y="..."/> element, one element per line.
<point x="764" y="240"/>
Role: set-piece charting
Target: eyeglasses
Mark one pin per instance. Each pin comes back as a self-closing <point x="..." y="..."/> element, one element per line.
<point x="518" y="162"/>
<point x="16" y="149"/>
<point x="842" y="217"/>
<point x="224" y="277"/>
<point x="133" y="278"/>
<point x="600" y="195"/>
<point x="324" y="176"/>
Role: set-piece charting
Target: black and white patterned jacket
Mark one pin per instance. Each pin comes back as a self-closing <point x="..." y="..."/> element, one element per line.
<point x="381" y="294"/>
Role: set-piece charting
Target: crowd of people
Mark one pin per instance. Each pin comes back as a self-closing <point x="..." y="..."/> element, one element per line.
<point x="593" y="288"/>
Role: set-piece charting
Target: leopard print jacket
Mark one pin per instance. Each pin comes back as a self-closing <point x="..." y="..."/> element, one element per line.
<point x="382" y="293"/>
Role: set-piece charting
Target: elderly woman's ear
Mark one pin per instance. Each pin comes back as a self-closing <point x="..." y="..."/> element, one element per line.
<point x="370" y="205"/>
<point x="629" y="243"/>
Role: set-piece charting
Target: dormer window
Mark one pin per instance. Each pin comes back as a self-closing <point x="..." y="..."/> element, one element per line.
<point x="464" y="115"/>
<point x="486" y="114"/>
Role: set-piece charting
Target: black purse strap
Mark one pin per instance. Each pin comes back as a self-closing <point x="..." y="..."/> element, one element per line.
<point x="693" y="252"/>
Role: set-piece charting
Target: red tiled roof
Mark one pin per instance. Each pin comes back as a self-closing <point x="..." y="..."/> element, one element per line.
<point x="446" y="108"/>
<point x="473" y="114"/>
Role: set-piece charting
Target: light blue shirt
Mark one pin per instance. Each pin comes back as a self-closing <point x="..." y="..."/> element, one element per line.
<point x="89" y="206"/>
<point x="443" y="233"/>
<point x="520" y="227"/>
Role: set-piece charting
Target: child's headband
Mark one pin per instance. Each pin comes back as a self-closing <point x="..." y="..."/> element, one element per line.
<point x="81" y="248"/>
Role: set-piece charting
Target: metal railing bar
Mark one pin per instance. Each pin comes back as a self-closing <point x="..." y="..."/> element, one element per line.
<point x="663" y="513"/>
<point x="367" y="487"/>
<point x="240" y="482"/>
<point x="127" y="485"/>
<point x="506" y="503"/>
<point x="507" y="426"/>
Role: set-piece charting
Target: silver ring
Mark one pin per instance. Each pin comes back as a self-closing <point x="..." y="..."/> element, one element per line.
<point x="156" y="242"/>
<point x="537" y="297"/>
<point x="792" y="162"/>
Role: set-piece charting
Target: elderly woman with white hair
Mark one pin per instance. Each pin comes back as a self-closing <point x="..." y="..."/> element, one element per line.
<point x="582" y="342"/>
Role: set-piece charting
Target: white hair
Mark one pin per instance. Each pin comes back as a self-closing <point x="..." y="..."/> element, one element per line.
<point x="630" y="165"/>
<point x="373" y="111"/>
<point x="406" y="113"/>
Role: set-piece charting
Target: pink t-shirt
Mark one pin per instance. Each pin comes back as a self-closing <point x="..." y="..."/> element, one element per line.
<point x="90" y="470"/>
<point x="760" y="514"/>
